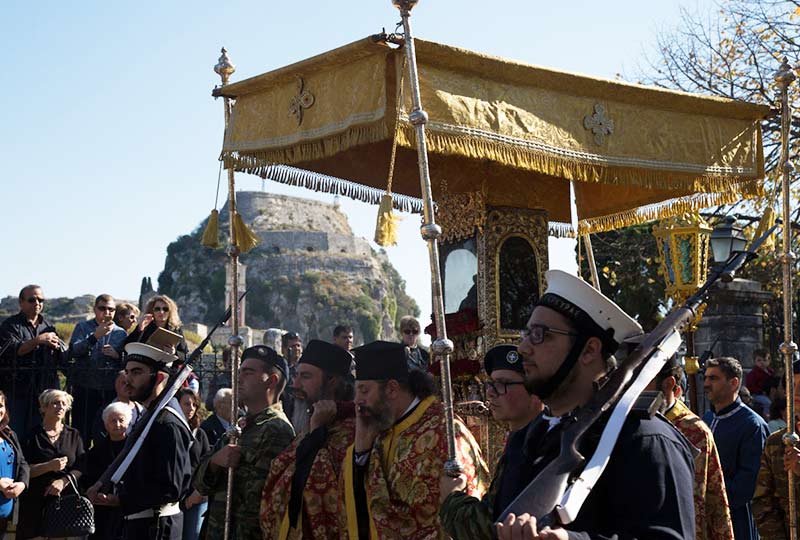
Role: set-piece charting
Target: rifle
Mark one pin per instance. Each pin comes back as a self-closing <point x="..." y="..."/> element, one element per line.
<point x="550" y="497"/>
<point x="115" y="471"/>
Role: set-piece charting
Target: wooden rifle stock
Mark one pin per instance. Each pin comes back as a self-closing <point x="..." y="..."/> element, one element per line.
<point x="543" y="496"/>
<point x="136" y="432"/>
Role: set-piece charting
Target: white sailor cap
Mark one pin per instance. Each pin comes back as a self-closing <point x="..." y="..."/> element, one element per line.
<point x="147" y="354"/>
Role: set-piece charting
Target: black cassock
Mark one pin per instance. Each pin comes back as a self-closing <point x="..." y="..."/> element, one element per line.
<point x="160" y="474"/>
<point x="646" y="491"/>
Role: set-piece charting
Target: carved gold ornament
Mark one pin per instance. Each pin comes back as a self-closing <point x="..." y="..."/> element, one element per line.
<point x="600" y="125"/>
<point x="461" y="215"/>
<point x="303" y="100"/>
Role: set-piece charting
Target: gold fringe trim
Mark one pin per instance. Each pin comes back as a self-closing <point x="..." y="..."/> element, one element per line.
<point x="308" y="150"/>
<point x="683" y="205"/>
<point x="243" y="237"/>
<point x="566" y="167"/>
<point x="211" y="233"/>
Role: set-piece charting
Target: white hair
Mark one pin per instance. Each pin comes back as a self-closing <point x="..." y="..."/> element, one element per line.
<point x="221" y="394"/>
<point x="117" y="408"/>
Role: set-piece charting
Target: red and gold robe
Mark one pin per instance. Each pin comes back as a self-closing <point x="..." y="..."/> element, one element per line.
<point x="319" y="513"/>
<point x="402" y="477"/>
<point x="712" y="515"/>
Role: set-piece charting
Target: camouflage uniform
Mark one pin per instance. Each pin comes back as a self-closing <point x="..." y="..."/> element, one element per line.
<point x="264" y="436"/>
<point x="771" y="499"/>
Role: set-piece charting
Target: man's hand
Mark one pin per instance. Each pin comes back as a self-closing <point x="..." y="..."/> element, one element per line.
<point x="193" y="499"/>
<point x="227" y="457"/>
<point x="109" y="351"/>
<point x="523" y="527"/>
<point x="791" y="459"/>
<point x="58" y="464"/>
<point x="56" y="487"/>
<point x="93" y="493"/>
<point x="324" y="413"/>
<point x="50" y="339"/>
<point x="103" y="329"/>
<point x="107" y="499"/>
<point x="448" y="485"/>
<point x="13" y="490"/>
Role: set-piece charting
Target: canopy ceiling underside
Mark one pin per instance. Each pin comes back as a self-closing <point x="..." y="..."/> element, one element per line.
<point x="516" y="133"/>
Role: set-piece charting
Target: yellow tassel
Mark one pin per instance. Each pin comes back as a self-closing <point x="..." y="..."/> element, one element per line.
<point x="211" y="233"/>
<point x="386" y="228"/>
<point x="767" y="221"/>
<point x="243" y="237"/>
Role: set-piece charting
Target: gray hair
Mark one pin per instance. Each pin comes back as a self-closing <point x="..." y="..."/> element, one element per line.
<point x="117" y="407"/>
<point x="221" y="394"/>
<point x="48" y="397"/>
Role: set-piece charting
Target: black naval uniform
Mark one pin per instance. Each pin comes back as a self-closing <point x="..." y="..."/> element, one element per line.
<point x="157" y="479"/>
<point x="645" y="492"/>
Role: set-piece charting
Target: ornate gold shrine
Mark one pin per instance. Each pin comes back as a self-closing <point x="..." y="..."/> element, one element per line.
<point x="493" y="260"/>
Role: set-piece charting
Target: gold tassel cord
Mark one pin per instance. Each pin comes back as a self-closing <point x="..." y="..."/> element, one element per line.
<point x="211" y="232"/>
<point x="386" y="228"/>
<point x="767" y="221"/>
<point x="243" y="237"/>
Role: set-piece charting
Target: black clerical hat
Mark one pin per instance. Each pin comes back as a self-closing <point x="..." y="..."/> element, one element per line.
<point x="328" y="357"/>
<point x="266" y="355"/>
<point x="381" y="361"/>
<point x="503" y="357"/>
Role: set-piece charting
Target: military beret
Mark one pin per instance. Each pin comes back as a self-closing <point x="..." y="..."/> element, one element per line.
<point x="328" y="357"/>
<point x="503" y="357"/>
<point x="266" y="355"/>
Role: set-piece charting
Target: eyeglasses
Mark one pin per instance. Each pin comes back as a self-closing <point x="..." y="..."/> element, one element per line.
<point x="105" y="308"/>
<point x="408" y="332"/>
<point x="161" y="309"/>
<point x="535" y="333"/>
<point x="131" y="317"/>
<point x="34" y="300"/>
<point x="499" y="387"/>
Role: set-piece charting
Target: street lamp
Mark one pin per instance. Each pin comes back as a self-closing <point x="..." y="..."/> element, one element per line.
<point x="726" y="238"/>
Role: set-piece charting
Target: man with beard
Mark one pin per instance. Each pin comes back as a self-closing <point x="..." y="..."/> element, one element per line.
<point x="645" y="490"/>
<point x="468" y="518"/>
<point x="160" y="474"/>
<point x="265" y="433"/>
<point x="390" y="480"/>
<point x="299" y="497"/>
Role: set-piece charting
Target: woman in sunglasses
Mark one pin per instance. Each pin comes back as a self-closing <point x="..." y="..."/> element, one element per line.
<point x="418" y="358"/>
<point x="161" y="311"/>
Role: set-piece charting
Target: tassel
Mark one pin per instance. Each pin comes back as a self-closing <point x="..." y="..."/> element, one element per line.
<point x="243" y="237"/>
<point x="767" y="221"/>
<point x="211" y="232"/>
<point x="386" y="228"/>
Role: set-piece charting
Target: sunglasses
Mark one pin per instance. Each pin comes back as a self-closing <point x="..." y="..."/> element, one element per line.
<point x="34" y="300"/>
<point x="535" y="333"/>
<point x="409" y="332"/>
<point x="105" y="308"/>
<point x="161" y="309"/>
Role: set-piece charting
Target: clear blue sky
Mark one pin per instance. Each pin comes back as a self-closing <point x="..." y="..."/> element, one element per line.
<point x="109" y="135"/>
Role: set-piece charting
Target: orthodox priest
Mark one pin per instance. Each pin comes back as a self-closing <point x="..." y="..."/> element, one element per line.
<point x="159" y="476"/>
<point x="390" y="482"/>
<point x="300" y="495"/>
<point x="646" y="488"/>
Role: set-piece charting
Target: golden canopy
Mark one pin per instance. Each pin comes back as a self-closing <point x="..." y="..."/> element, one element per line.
<point x="515" y="133"/>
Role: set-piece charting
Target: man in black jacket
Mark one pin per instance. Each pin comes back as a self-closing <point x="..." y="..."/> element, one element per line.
<point x="218" y="423"/>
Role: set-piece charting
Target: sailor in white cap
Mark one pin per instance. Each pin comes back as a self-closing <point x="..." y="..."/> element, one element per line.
<point x="159" y="475"/>
<point x="646" y="490"/>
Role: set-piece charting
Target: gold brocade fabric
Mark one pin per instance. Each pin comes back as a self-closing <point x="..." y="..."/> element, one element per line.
<point x="514" y="132"/>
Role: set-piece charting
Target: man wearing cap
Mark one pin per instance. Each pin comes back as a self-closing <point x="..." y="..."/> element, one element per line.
<point x="645" y="490"/>
<point x="391" y="473"/>
<point x="712" y="515"/>
<point x="468" y="518"/>
<point x="299" y="499"/>
<point x="771" y="499"/>
<point x="265" y="433"/>
<point x="159" y="475"/>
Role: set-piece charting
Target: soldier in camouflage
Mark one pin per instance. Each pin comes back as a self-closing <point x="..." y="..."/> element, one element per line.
<point x="265" y="433"/>
<point x="771" y="498"/>
<point x="466" y="517"/>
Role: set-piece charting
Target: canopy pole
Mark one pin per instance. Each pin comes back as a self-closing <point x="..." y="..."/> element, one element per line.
<point x="224" y="69"/>
<point x="587" y="242"/>
<point x="785" y="77"/>
<point x="441" y="347"/>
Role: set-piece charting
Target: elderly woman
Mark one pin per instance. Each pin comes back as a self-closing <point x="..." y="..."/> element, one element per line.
<point x="53" y="451"/>
<point x="126" y="315"/>
<point x="14" y="471"/>
<point x="161" y="311"/>
<point x="194" y="505"/>
<point x="107" y="514"/>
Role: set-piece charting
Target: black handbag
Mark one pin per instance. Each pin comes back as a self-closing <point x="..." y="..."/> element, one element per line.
<point x="68" y="515"/>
